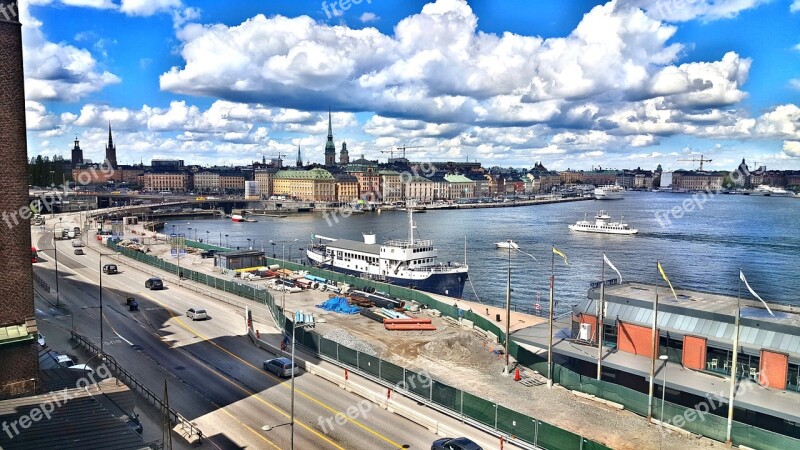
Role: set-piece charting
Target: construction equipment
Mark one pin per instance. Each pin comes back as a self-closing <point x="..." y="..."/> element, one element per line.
<point x="701" y="160"/>
<point x="401" y="150"/>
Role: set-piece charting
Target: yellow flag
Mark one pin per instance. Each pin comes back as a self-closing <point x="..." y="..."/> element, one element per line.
<point x="561" y="254"/>
<point x="664" y="275"/>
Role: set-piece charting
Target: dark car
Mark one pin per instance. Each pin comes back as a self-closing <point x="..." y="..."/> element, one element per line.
<point x="79" y="251"/>
<point x="281" y="367"/>
<point x="110" y="269"/>
<point x="461" y="443"/>
<point x="208" y="253"/>
<point x="154" y="283"/>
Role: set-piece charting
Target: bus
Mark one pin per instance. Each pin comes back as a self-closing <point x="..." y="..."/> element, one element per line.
<point x="34" y="255"/>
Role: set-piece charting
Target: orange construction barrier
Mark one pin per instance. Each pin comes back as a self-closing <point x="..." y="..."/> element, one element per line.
<point x="517" y="377"/>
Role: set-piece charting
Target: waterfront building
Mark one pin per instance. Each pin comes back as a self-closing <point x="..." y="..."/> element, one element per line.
<point x="696" y="181"/>
<point x="459" y="186"/>
<point x="420" y="189"/>
<point x="167" y="181"/>
<point x="346" y="188"/>
<point x="597" y="177"/>
<point x="231" y="181"/>
<point x="308" y="185"/>
<point x="391" y="186"/>
<point x="369" y="181"/>
<point x="206" y="181"/>
<point x="264" y="178"/>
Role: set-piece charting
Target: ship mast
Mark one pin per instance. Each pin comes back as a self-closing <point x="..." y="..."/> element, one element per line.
<point x="411" y="225"/>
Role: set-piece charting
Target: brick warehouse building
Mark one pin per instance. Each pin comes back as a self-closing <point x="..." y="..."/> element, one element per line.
<point x="18" y="344"/>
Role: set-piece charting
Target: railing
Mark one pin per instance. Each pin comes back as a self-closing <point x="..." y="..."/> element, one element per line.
<point x="743" y="434"/>
<point x="126" y="377"/>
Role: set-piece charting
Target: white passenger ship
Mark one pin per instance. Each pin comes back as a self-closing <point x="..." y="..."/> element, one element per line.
<point x="609" y="192"/>
<point x="602" y="224"/>
<point x="411" y="263"/>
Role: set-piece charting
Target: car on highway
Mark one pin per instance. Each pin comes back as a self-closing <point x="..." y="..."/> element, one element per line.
<point x="197" y="314"/>
<point x="79" y="251"/>
<point x="461" y="443"/>
<point x="110" y="269"/>
<point x="281" y="367"/>
<point x="154" y="284"/>
<point x="77" y="244"/>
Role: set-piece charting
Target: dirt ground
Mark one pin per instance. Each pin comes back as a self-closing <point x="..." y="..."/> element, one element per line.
<point x="465" y="359"/>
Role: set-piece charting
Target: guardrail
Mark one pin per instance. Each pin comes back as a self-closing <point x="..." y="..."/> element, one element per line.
<point x="126" y="377"/>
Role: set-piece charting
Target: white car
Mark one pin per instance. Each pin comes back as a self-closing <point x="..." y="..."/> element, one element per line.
<point x="196" y="314"/>
<point x="65" y="361"/>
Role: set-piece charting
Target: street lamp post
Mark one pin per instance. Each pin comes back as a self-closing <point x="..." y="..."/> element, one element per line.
<point x="273" y="249"/>
<point x="226" y="241"/>
<point x="249" y="247"/>
<point x="207" y="234"/>
<point x="291" y="422"/>
<point x="55" y="252"/>
<point x="663" y="358"/>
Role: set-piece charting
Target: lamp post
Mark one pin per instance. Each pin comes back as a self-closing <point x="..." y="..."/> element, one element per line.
<point x="294" y="327"/>
<point x="101" y="297"/>
<point x="55" y="252"/>
<point x="249" y="247"/>
<point x="273" y="249"/>
<point x="220" y="239"/>
<point x="226" y="241"/>
<point x="663" y="358"/>
<point x="508" y="307"/>
<point x="207" y="234"/>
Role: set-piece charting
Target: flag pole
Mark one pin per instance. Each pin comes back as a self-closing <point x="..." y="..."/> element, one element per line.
<point x="653" y="350"/>
<point x="600" y="319"/>
<point x="550" y="314"/>
<point x="735" y="354"/>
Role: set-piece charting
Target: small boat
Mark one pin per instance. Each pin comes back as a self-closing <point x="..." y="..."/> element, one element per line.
<point x="247" y="219"/>
<point x="237" y="218"/>
<point x="507" y="244"/>
<point x="602" y="224"/>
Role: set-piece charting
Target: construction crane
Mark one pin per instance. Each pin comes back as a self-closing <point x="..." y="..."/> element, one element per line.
<point x="701" y="160"/>
<point x="402" y="150"/>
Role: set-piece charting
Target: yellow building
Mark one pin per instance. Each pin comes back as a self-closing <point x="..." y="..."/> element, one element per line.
<point x="346" y="188"/>
<point x="166" y="181"/>
<point x="308" y="185"/>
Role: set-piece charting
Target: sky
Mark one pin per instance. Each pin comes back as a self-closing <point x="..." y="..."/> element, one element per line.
<point x="571" y="84"/>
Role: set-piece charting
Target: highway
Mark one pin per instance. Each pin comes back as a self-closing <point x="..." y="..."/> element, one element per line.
<point x="213" y="370"/>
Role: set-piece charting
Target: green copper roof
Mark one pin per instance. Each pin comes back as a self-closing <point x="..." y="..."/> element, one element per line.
<point x="313" y="174"/>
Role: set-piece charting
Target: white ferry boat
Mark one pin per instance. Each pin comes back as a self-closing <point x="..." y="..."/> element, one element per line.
<point x="411" y="263"/>
<point x="602" y="224"/>
<point x="611" y="192"/>
<point x="506" y="245"/>
<point x="771" y="191"/>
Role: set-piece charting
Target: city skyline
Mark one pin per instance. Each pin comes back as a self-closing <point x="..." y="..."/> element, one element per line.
<point x="614" y="84"/>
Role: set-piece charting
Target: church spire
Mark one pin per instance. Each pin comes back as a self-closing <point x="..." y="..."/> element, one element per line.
<point x="299" y="157"/>
<point x="111" y="150"/>
<point x="330" y="148"/>
<point x="330" y="126"/>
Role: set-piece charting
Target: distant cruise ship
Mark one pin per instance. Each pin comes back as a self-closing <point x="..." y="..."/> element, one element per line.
<point x="609" y="192"/>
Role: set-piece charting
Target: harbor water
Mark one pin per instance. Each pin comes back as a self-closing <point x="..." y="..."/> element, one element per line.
<point x="701" y="243"/>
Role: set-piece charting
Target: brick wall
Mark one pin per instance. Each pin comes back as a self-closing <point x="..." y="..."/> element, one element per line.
<point x="773" y="369"/>
<point x="17" y="363"/>
<point x="635" y="339"/>
<point x="24" y="378"/>
<point x="694" y="352"/>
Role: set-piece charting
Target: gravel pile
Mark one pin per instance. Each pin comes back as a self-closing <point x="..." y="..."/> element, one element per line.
<point x="342" y="337"/>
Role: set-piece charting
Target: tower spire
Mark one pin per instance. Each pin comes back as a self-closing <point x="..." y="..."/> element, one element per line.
<point x="330" y="126"/>
<point x="299" y="157"/>
<point x="330" y="148"/>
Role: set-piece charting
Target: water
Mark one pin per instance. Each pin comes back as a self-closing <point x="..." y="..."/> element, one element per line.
<point x="703" y="250"/>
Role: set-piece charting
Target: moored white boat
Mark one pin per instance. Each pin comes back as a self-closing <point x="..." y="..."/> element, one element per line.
<point x="507" y="244"/>
<point x="611" y="192"/>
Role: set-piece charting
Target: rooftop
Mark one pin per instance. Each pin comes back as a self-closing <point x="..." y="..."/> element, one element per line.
<point x="313" y="174"/>
<point x="356" y="246"/>
<point x="238" y="253"/>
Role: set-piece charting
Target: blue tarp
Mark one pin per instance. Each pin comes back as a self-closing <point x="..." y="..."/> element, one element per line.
<point x="339" y="304"/>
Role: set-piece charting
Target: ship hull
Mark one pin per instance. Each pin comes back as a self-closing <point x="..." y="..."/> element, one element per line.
<point x="450" y="284"/>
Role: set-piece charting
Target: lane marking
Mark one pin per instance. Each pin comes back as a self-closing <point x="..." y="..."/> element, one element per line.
<point x="280" y="381"/>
